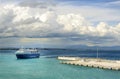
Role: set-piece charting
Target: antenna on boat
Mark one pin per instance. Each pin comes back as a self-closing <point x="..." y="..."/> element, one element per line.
<point x="97" y="52"/>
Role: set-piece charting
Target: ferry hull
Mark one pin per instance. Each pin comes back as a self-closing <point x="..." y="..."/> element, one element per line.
<point x="27" y="56"/>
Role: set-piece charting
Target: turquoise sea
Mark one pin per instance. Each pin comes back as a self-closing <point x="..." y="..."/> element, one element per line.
<point x="48" y="68"/>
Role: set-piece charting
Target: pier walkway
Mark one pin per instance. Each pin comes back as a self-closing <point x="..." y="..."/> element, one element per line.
<point x="91" y="62"/>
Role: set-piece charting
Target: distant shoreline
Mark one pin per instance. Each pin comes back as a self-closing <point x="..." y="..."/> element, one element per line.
<point x="31" y="48"/>
<point x="62" y="49"/>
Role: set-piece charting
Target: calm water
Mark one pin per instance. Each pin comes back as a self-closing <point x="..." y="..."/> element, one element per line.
<point x="50" y="68"/>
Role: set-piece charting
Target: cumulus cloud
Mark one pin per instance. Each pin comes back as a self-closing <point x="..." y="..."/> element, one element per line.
<point x="77" y="24"/>
<point x="28" y="21"/>
<point x="71" y="22"/>
<point x="18" y="19"/>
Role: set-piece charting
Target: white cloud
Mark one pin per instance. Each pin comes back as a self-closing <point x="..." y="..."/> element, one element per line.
<point x="71" y="22"/>
<point x="44" y="24"/>
<point x="114" y="3"/>
<point x="93" y="13"/>
<point x="25" y="21"/>
<point x="75" y="23"/>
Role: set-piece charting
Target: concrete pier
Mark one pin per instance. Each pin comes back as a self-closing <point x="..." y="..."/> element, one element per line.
<point x="91" y="62"/>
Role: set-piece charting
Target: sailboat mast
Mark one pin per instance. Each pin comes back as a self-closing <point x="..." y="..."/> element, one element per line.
<point x="97" y="52"/>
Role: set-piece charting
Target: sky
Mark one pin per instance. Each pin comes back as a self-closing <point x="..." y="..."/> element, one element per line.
<point x="59" y="23"/>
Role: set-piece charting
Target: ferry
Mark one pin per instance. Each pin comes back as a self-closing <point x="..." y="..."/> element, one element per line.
<point x="27" y="53"/>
